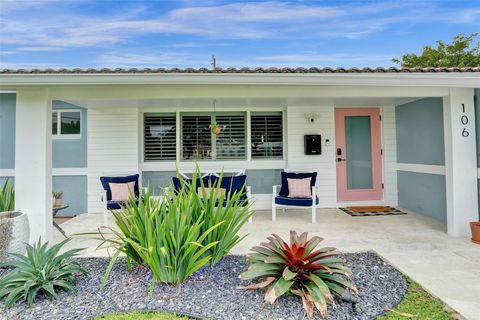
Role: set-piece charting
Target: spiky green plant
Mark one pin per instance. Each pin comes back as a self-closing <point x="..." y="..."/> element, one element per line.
<point x="164" y="234"/>
<point x="313" y="274"/>
<point x="41" y="271"/>
<point x="57" y="194"/>
<point x="231" y="210"/>
<point x="7" y="197"/>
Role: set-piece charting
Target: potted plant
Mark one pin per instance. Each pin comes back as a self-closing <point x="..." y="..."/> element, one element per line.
<point x="57" y="198"/>
<point x="475" y="227"/>
<point x="14" y="227"/>
<point x="215" y="128"/>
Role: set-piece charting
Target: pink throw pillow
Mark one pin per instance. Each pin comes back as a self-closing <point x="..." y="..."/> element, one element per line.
<point x="299" y="188"/>
<point x="121" y="191"/>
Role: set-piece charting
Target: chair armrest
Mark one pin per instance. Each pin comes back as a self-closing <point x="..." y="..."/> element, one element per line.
<point x="274" y="191"/>
<point x="314" y="192"/>
<point x="104" y="196"/>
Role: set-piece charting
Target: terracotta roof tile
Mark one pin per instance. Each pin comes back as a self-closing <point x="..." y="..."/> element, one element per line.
<point x="236" y="70"/>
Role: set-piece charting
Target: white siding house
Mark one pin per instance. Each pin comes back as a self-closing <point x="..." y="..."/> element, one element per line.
<point x="420" y="109"/>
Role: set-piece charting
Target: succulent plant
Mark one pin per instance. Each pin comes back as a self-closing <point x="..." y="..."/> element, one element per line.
<point x="315" y="275"/>
<point x="57" y="194"/>
<point x="41" y="271"/>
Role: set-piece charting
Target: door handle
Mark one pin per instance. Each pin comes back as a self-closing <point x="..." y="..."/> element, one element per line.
<point x="341" y="159"/>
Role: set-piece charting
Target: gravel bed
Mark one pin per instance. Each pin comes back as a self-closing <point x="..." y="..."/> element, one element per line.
<point x="210" y="293"/>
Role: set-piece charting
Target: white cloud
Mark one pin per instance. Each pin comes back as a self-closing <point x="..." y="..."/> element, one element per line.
<point x="321" y="60"/>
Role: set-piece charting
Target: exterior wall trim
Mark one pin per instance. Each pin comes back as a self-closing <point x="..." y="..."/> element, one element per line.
<point x="55" y="172"/>
<point x="421" y="168"/>
<point x="458" y="79"/>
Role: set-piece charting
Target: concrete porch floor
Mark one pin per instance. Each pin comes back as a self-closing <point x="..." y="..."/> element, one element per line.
<point x="447" y="267"/>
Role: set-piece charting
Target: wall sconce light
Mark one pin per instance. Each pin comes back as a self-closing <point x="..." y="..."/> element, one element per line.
<point x="311" y="117"/>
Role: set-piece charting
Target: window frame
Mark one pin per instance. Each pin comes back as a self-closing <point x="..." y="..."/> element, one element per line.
<point x="65" y="136"/>
<point x="283" y="135"/>
<point x="143" y="144"/>
<point x="213" y="118"/>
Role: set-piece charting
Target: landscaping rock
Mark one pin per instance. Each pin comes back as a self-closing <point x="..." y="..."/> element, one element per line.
<point x="211" y="292"/>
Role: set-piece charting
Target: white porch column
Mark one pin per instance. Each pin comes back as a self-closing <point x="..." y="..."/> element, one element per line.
<point x="460" y="161"/>
<point x="33" y="160"/>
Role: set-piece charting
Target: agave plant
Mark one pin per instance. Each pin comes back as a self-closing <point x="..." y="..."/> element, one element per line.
<point x="7" y="197"/>
<point x="41" y="271"/>
<point x="313" y="274"/>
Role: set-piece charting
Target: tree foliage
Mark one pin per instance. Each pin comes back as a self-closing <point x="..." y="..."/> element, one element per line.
<point x="462" y="52"/>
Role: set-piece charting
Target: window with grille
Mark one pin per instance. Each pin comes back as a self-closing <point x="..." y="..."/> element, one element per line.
<point x="198" y="143"/>
<point x="267" y="135"/>
<point x="159" y="137"/>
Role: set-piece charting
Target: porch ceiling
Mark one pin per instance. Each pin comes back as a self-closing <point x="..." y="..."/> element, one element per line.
<point x="229" y="103"/>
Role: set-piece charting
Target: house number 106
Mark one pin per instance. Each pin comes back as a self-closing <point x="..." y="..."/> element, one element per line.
<point x="464" y="121"/>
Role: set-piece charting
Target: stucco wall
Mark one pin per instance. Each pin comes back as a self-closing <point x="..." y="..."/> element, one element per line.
<point x="66" y="153"/>
<point x="420" y="140"/>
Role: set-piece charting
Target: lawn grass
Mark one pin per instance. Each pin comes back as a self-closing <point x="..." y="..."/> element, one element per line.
<point x="138" y="315"/>
<point x="418" y="305"/>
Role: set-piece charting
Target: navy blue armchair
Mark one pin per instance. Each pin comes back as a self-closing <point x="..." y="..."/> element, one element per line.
<point x="107" y="192"/>
<point x="283" y="199"/>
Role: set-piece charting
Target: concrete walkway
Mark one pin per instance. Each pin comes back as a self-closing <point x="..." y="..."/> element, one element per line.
<point x="447" y="267"/>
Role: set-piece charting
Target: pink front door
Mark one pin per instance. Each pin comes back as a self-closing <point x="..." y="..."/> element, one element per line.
<point x="358" y="154"/>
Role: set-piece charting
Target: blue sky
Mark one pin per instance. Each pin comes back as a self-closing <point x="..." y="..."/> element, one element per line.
<point x="162" y="33"/>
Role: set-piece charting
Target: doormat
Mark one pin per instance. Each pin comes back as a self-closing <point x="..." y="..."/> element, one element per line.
<point x="372" y="211"/>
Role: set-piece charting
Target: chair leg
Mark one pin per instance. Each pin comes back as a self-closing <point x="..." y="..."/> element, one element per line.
<point x="274" y="213"/>
<point x="314" y="214"/>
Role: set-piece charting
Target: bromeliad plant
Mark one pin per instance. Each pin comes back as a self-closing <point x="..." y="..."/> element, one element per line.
<point x="313" y="274"/>
<point x="41" y="271"/>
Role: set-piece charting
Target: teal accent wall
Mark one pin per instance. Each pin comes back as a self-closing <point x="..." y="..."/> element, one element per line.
<point x="477" y="123"/>
<point x="70" y="153"/>
<point x="420" y="140"/>
<point x="157" y="180"/>
<point x="74" y="193"/>
<point x="423" y="193"/>
<point x="10" y="179"/>
<point x="66" y="153"/>
<point x="420" y="137"/>
<point x="262" y="180"/>
<point x="7" y="130"/>
<point x="477" y="130"/>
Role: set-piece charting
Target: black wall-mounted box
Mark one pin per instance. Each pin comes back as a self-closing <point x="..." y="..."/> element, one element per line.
<point x="313" y="144"/>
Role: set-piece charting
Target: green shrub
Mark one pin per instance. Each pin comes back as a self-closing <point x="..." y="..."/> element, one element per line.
<point x="42" y="270"/>
<point x="232" y="215"/>
<point x="312" y="274"/>
<point x="165" y="235"/>
<point x="178" y="234"/>
<point x="7" y="197"/>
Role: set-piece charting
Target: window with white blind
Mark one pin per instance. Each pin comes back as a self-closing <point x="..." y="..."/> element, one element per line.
<point x="159" y="137"/>
<point x="231" y="142"/>
<point x="198" y="143"/>
<point x="267" y="135"/>
<point x="196" y="137"/>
